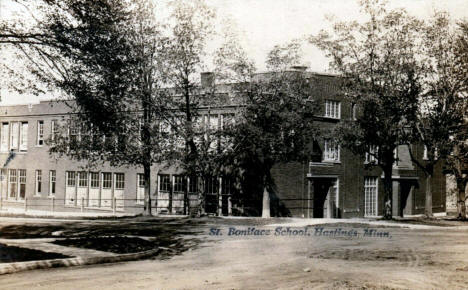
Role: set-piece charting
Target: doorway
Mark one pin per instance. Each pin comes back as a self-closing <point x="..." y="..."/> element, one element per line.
<point x="325" y="198"/>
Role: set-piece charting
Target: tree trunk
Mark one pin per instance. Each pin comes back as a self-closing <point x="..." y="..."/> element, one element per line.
<point x="266" y="203"/>
<point x="388" y="193"/>
<point x="147" y="177"/>
<point x="428" y="205"/>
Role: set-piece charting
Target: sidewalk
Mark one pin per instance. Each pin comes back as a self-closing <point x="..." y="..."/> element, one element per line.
<point x="79" y="256"/>
<point x="19" y="212"/>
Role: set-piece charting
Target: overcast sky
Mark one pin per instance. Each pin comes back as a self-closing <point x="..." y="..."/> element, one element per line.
<point x="265" y="23"/>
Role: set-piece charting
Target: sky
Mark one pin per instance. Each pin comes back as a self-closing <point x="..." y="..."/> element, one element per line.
<point x="261" y="24"/>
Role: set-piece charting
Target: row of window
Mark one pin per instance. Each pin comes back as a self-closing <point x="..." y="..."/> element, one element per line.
<point x="17" y="184"/>
<point x="14" y="135"/>
<point x="94" y="179"/>
<point x="178" y="184"/>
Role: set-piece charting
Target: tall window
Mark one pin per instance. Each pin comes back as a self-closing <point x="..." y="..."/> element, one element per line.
<point x="73" y="131"/>
<point x="71" y="178"/>
<point x="211" y="185"/>
<point x="332" y="109"/>
<point x="179" y="182"/>
<point x="54" y="129"/>
<point x="331" y="151"/>
<point x="371" y="154"/>
<point x="38" y="181"/>
<point x="22" y="183"/>
<point x="24" y="136"/>
<point x="353" y="111"/>
<point x="193" y="184"/>
<point x="4" y="137"/>
<point x="13" y="179"/>
<point x="83" y="179"/>
<point x="40" y="133"/>
<point x="164" y="182"/>
<point x="140" y="188"/>
<point x="119" y="181"/>
<point x="106" y="180"/>
<point x="94" y="180"/>
<point x="14" y="132"/>
<point x="52" y="182"/>
<point x="370" y="196"/>
<point x="425" y="156"/>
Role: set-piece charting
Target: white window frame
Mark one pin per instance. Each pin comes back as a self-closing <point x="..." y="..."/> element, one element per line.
<point x="38" y="187"/>
<point x="14" y="135"/>
<point x="140" y="184"/>
<point x="70" y="178"/>
<point x="52" y="182"/>
<point x="93" y="180"/>
<point x="179" y="183"/>
<point x="371" y="154"/>
<point x="164" y="186"/>
<point x="332" y="109"/>
<point x="12" y="179"/>
<point x="331" y="151"/>
<point x="371" y="207"/>
<point x="5" y="137"/>
<point x="54" y="130"/>
<point x="22" y="180"/>
<point x="104" y="180"/>
<point x="83" y="179"/>
<point x="40" y="133"/>
<point x="23" y="136"/>
<point x="119" y="180"/>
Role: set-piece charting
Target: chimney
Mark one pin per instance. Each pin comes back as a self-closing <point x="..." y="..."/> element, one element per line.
<point x="207" y="79"/>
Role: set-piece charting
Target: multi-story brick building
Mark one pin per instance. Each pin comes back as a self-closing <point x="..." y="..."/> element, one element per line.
<point x="333" y="183"/>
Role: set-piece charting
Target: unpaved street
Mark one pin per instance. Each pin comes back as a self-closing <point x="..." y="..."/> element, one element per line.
<point x="421" y="258"/>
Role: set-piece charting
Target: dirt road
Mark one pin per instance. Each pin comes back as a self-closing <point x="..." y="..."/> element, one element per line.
<point x="435" y="258"/>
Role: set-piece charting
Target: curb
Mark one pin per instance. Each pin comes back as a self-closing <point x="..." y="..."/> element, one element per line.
<point x="10" y="268"/>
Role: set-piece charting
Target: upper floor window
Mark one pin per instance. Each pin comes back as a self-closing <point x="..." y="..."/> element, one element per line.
<point x="24" y="136"/>
<point x="4" y="137"/>
<point x="40" y="133"/>
<point x="14" y="132"/>
<point x="332" y="109"/>
<point x="371" y="155"/>
<point x="54" y="130"/>
<point x="73" y="131"/>
<point x="331" y="151"/>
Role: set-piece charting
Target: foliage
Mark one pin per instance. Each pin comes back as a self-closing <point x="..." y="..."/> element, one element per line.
<point x="104" y="56"/>
<point x="378" y="61"/>
<point x="275" y="123"/>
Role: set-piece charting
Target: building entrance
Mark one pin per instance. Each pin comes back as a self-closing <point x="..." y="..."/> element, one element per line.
<point x="325" y="198"/>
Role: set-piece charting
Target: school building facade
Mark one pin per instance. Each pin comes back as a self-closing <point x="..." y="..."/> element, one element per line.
<point x="333" y="183"/>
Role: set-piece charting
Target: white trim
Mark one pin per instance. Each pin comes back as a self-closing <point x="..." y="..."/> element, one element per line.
<point x="376" y="200"/>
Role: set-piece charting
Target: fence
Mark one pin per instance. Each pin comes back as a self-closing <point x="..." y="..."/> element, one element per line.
<point x="214" y="204"/>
